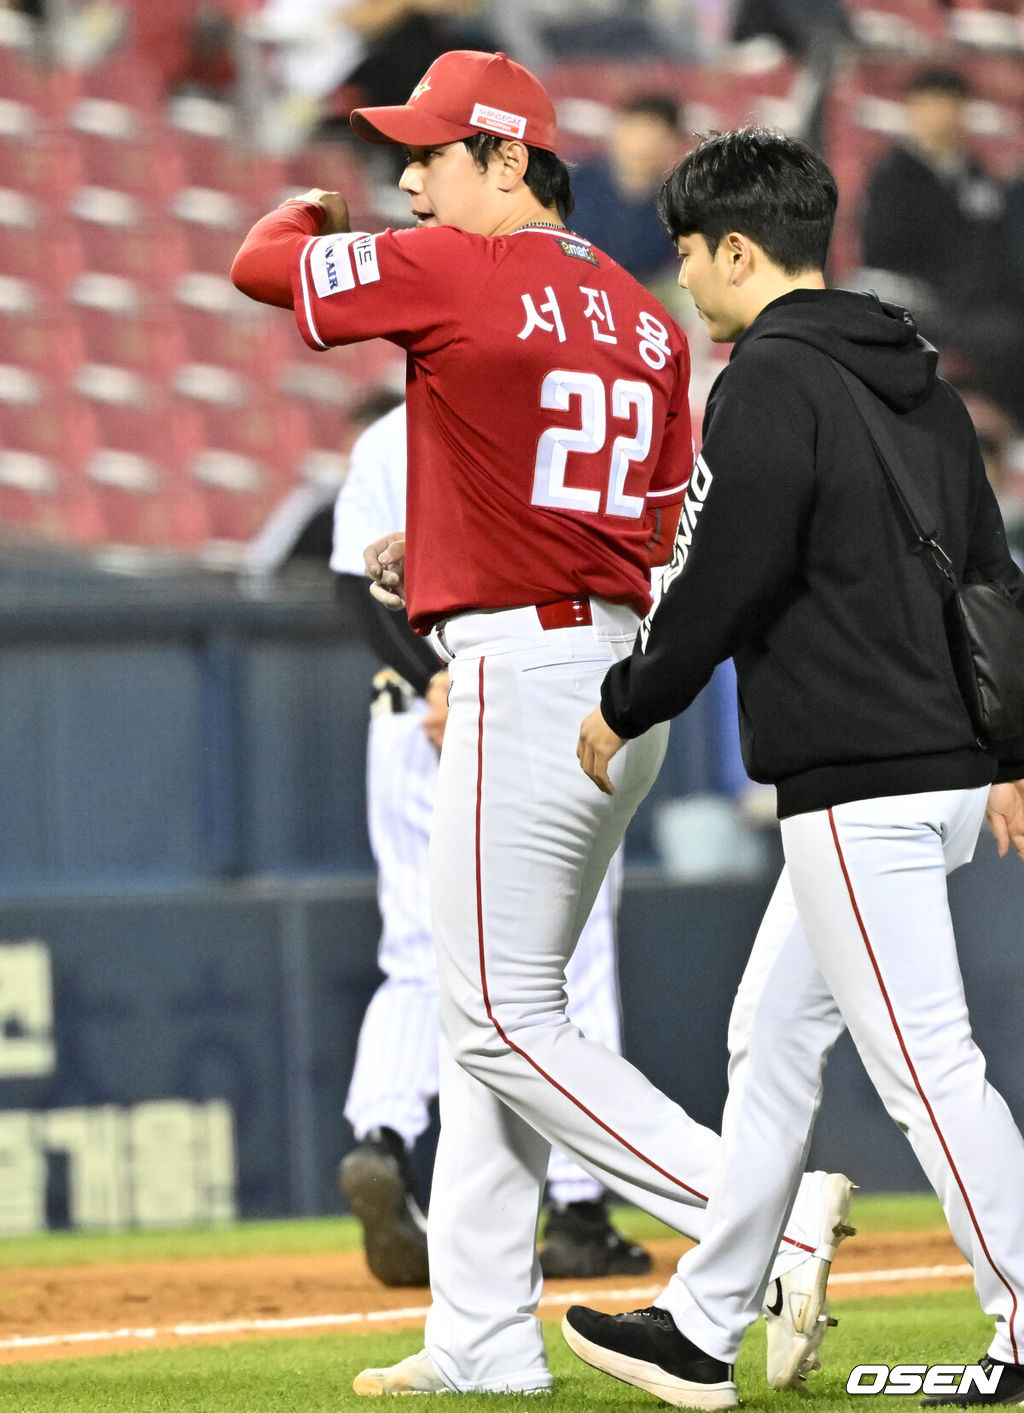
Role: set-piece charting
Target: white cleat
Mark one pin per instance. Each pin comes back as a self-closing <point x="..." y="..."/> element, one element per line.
<point x="416" y="1374"/>
<point x="796" y="1304"/>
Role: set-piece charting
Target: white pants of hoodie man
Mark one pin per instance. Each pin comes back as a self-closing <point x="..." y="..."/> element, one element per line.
<point x="859" y="931"/>
<point x="519" y="845"/>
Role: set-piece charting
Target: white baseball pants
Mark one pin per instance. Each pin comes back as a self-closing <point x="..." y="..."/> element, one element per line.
<point x="859" y="931"/>
<point x="520" y="842"/>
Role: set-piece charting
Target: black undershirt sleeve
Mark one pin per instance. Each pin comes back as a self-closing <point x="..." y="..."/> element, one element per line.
<point x="385" y="633"/>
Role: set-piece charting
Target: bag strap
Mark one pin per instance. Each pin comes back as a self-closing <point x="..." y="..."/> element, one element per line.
<point x="907" y="494"/>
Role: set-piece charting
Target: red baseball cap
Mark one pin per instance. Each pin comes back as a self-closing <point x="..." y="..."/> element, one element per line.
<point x="464" y="92"/>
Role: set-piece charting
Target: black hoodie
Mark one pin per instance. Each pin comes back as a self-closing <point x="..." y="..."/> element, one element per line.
<point x="794" y="559"/>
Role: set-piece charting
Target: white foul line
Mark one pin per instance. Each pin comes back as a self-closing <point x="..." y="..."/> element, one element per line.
<point x="908" y="1273"/>
<point x="626" y="1294"/>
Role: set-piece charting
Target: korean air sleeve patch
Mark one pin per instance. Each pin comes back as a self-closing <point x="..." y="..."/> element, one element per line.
<point x="337" y="262"/>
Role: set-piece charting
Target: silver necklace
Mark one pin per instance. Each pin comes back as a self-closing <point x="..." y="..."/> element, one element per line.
<point x="543" y="225"/>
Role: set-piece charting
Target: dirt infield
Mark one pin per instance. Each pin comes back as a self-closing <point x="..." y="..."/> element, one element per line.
<point x="61" y="1312"/>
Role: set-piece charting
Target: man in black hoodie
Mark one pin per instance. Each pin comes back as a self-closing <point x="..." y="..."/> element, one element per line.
<point x="794" y="559"/>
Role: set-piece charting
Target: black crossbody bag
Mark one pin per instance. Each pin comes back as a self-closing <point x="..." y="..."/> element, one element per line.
<point x="984" y="626"/>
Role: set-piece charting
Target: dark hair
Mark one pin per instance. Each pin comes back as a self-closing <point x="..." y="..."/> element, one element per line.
<point x="547" y="176"/>
<point x="948" y="81"/>
<point x="654" y="105"/>
<point x="761" y="183"/>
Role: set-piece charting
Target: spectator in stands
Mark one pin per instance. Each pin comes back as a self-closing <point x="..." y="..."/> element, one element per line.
<point x="797" y="26"/>
<point x="333" y="55"/>
<point x="208" y="70"/>
<point x="816" y="35"/>
<point x="615" y="193"/>
<point x="33" y="8"/>
<point x="932" y="218"/>
<point x="548" y="31"/>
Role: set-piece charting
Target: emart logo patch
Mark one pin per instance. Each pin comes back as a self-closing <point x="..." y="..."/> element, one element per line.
<point x="929" y="1379"/>
<point x="580" y="251"/>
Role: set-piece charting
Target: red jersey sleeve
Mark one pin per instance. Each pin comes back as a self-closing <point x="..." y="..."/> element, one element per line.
<point x="407" y="286"/>
<point x="263" y="267"/>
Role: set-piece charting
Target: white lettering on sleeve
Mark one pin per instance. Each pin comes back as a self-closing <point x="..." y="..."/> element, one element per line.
<point x="364" y="255"/>
<point x="336" y="260"/>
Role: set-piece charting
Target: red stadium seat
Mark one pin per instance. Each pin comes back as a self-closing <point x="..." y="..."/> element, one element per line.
<point x="125" y="148"/>
<point x="238" y="416"/>
<point x="996" y="78"/>
<point x="127" y="77"/>
<point x="220" y="325"/>
<point x="26" y="79"/>
<point x="44" y="489"/>
<point x="145" y="337"/>
<point x="138" y="469"/>
<point x="213" y="155"/>
<point x="326" y="396"/>
<point x="913" y="27"/>
<point x="117" y="234"/>
<point x="122" y="322"/>
<point x="988" y="26"/>
<point x="43" y="253"/>
<point x="44" y="164"/>
<point x="212" y="225"/>
<point x="37" y="333"/>
<point x="252" y="446"/>
<point x="160" y="37"/>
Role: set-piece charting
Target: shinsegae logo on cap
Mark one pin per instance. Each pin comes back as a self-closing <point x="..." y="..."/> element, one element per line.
<point x="497" y="120"/>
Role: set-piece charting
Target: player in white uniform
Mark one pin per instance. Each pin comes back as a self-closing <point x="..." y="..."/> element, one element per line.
<point x="549" y="449"/>
<point x="850" y="707"/>
<point x="395" y="1075"/>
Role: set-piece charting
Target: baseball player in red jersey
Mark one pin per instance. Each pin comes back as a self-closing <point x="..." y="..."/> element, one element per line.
<point x="394" y="1078"/>
<point x="548" y="453"/>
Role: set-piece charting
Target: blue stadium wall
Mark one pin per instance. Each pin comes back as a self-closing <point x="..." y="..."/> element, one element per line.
<point x="182" y="843"/>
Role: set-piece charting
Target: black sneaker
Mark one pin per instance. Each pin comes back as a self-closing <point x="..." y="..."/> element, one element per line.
<point x="580" y="1242"/>
<point x="1008" y="1388"/>
<point x="376" y="1180"/>
<point x="644" y="1348"/>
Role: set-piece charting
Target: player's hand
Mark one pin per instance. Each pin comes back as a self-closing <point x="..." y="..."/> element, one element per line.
<point x="595" y="748"/>
<point x="1005" y="812"/>
<point x="384" y="561"/>
<point x="336" y="219"/>
<point x="436" y="698"/>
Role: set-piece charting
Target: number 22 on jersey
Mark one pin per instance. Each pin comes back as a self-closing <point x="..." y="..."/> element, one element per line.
<point x="627" y="401"/>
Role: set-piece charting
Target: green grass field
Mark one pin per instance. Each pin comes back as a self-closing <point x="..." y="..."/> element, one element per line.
<point x="313" y="1374"/>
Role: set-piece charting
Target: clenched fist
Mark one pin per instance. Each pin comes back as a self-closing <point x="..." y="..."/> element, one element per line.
<point x="384" y="561"/>
<point x="336" y="218"/>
